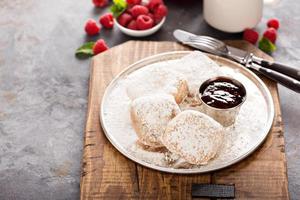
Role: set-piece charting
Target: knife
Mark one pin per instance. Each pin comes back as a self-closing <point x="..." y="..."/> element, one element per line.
<point x="240" y="56"/>
<point x="249" y="60"/>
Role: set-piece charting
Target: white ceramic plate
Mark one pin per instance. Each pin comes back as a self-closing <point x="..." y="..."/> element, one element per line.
<point x="245" y="143"/>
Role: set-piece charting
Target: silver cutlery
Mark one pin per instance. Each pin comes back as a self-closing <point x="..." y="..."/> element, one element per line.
<point x="285" y="75"/>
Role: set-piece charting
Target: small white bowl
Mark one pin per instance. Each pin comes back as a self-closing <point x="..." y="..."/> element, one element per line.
<point x="140" y="33"/>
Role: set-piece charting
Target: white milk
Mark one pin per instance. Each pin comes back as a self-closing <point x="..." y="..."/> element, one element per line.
<point x="232" y="15"/>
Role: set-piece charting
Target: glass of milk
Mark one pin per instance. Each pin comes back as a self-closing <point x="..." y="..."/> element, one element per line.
<point x="232" y="15"/>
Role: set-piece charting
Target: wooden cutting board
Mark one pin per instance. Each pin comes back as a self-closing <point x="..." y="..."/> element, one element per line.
<point x="107" y="174"/>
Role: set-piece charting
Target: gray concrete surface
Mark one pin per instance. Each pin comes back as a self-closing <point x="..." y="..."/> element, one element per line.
<point x="43" y="89"/>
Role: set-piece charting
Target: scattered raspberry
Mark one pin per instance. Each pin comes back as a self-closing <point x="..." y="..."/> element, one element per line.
<point x="107" y="20"/>
<point x="250" y="36"/>
<point x="139" y="10"/>
<point x="99" y="46"/>
<point x="160" y="12"/>
<point x="100" y="3"/>
<point x="144" y="22"/>
<point x="271" y="34"/>
<point x="274" y="23"/>
<point x="133" y="2"/>
<point x="124" y="19"/>
<point x="132" y="25"/>
<point x="91" y="27"/>
<point x="154" y="3"/>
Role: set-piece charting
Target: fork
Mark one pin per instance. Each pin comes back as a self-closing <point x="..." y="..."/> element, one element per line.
<point x="218" y="47"/>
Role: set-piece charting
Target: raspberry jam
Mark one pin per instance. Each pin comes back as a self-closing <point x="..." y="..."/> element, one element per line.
<point x="222" y="92"/>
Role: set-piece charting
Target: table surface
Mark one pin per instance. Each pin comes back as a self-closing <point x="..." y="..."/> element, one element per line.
<point x="43" y="89"/>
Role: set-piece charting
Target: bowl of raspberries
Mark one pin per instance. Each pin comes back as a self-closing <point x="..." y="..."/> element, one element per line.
<point x="139" y="18"/>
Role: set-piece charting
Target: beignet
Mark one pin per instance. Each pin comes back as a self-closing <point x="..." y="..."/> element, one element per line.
<point x="150" y="116"/>
<point x="193" y="136"/>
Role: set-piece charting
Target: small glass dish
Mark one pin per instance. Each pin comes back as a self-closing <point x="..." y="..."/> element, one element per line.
<point x="225" y="116"/>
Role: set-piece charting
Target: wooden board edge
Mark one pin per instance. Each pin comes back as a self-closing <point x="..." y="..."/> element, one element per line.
<point x="83" y="164"/>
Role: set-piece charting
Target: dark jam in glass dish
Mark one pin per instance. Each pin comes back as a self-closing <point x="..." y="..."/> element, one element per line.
<point x="222" y="92"/>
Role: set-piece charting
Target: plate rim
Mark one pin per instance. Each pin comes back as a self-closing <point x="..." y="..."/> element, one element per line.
<point x="268" y="125"/>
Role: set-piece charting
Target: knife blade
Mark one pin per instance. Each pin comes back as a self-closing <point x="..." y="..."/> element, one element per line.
<point x="184" y="37"/>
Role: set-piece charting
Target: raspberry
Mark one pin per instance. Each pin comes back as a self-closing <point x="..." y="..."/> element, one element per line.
<point x="250" y="35"/>
<point x="274" y="23"/>
<point x="91" y="27"/>
<point x="139" y="10"/>
<point x="151" y="15"/>
<point x="133" y="2"/>
<point x="124" y="19"/>
<point x="99" y="46"/>
<point x="128" y="10"/>
<point x="160" y="12"/>
<point x="144" y="22"/>
<point x="132" y="25"/>
<point x="154" y="3"/>
<point x="100" y="3"/>
<point x="271" y="34"/>
<point x="107" y="20"/>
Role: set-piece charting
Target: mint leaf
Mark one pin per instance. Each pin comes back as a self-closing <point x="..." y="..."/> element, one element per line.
<point x="266" y="45"/>
<point x="118" y="7"/>
<point x="121" y="3"/>
<point x="86" y="50"/>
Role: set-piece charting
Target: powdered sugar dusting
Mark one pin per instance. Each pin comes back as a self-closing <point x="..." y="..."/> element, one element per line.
<point x="154" y="79"/>
<point x="196" y="68"/>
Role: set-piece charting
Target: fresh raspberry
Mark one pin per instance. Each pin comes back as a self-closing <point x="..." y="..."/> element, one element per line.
<point x="132" y="25"/>
<point x="124" y="19"/>
<point x="128" y="10"/>
<point x="133" y="2"/>
<point x="144" y="22"/>
<point x="99" y="46"/>
<point x="271" y="34"/>
<point x="107" y="20"/>
<point x="139" y="10"/>
<point x="151" y="15"/>
<point x="91" y="27"/>
<point x="100" y="3"/>
<point x="154" y="3"/>
<point x="274" y="23"/>
<point x="160" y="12"/>
<point x="250" y="35"/>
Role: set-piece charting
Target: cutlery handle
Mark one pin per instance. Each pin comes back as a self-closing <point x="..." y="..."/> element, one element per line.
<point x="283" y="79"/>
<point x="284" y="69"/>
